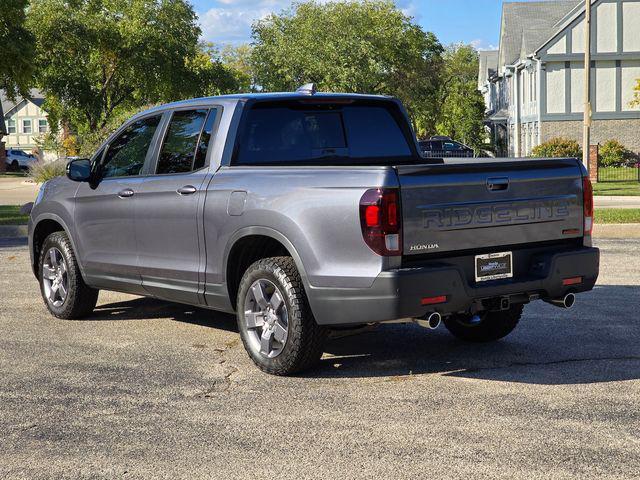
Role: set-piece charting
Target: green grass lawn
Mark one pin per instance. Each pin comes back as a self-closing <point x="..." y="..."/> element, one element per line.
<point x="617" y="215"/>
<point x="10" y="215"/>
<point x="616" y="188"/>
<point x="612" y="174"/>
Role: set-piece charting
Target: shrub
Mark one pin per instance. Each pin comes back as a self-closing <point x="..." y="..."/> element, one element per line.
<point x="70" y="146"/>
<point x="41" y="171"/>
<point x="614" y="154"/>
<point x="558" y="148"/>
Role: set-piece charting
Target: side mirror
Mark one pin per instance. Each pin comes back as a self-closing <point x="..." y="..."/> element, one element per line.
<point x="79" y="170"/>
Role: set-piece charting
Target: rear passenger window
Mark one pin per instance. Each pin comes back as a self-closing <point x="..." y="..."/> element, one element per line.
<point x="205" y="138"/>
<point x="185" y="145"/>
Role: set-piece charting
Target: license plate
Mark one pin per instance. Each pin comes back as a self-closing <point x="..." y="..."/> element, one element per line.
<point x="494" y="266"/>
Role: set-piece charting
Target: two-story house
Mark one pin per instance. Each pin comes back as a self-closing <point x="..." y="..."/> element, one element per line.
<point x="534" y="83"/>
<point x="24" y="120"/>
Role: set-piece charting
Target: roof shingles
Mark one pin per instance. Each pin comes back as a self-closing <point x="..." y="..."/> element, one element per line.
<point x="8" y="105"/>
<point x="527" y="25"/>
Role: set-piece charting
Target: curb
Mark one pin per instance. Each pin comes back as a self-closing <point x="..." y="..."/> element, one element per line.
<point x="616" y="230"/>
<point x="13" y="231"/>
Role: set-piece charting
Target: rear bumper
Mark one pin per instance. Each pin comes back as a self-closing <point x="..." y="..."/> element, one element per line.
<point x="397" y="294"/>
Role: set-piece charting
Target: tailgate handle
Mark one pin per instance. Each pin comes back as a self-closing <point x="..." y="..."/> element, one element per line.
<point x="497" y="184"/>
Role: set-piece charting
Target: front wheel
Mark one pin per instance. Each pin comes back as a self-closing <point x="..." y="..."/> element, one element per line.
<point x="63" y="289"/>
<point x="274" y="319"/>
<point x="485" y="326"/>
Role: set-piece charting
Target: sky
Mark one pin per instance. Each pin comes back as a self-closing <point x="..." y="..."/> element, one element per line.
<point x="470" y="21"/>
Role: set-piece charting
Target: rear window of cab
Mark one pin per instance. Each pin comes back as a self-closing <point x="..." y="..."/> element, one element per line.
<point x="306" y="133"/>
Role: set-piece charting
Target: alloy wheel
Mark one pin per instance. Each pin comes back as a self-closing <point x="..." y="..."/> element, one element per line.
<point x="266" y="318"/>
<point x="55" y="278"/>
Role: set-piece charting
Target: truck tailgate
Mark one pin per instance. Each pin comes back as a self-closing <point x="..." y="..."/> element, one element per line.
<point x="464" y="204"/>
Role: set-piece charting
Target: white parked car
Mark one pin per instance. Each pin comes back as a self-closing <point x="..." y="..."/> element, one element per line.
<point x="18" y="159"/>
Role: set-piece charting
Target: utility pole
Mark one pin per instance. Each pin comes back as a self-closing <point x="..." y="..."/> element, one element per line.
<point x="586" y="137"/>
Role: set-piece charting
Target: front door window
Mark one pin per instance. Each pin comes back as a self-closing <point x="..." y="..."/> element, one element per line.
<point x="126" y="154"/>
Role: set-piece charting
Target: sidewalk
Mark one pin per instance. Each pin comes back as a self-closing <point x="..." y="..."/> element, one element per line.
<point x="616" y="202"/>
<point x="17" y="191"/>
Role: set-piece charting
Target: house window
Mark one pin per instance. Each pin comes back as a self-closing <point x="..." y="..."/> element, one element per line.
<point x="534" y="86"/>
<point x="26" y="126"/>
<point x="42" y="125"/>
<point x="11" y="126"/>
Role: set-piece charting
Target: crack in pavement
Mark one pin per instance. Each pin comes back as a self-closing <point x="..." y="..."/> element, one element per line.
<point x="223" y="382"/>
<point x="552" y="362"/>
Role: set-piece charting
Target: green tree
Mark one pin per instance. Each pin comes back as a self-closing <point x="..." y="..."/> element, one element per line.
<point x="461" y="104"/>
<point x="211" y="75"/>
<point x="95" y="57"/>
<point x="361" y="47"/>
<point x="16" y="48"/>
<point x="238" y="59"/>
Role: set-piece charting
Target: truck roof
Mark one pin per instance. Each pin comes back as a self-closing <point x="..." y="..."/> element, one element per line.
<point x="264" y="96"/>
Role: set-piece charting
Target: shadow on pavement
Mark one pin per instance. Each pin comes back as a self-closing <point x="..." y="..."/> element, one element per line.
<point x="597" y="341"/>
<point x="13" y="242"/>
<point x="144" y="308"/>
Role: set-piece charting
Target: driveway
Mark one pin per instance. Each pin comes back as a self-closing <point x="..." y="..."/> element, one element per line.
<point x="149" y="389"/>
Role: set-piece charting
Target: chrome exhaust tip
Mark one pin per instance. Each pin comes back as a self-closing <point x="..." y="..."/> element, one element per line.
<point x="566" y="302"/>
<point x="430" y="321"/>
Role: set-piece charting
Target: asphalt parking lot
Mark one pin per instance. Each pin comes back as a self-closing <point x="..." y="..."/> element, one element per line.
<point x="147" y="389"/>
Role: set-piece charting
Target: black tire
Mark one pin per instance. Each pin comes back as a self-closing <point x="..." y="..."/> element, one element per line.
<point x="80" y="298"/>
<point x="305" y="341"/>
<point x="15" y="166"/>
<point x="491" y="327"/>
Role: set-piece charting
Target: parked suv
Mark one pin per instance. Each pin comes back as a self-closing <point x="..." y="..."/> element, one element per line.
<point x="438" y="146"/>
<point x="301" y="212"/>
<point x="18" y="159"/>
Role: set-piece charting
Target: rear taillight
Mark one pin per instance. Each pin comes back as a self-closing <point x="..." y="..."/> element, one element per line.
<point x="381" y="219"/>
<point x="587" y="202"/>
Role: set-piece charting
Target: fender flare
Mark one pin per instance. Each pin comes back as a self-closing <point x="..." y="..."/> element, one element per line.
<point x="66" y="229"/>
<point x="267" y="232"/>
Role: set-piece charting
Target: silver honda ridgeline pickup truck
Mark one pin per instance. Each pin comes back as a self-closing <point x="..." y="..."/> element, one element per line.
<point x="301" y="212"/>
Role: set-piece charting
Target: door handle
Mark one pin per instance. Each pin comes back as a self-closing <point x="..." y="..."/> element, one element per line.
<point x="187" y="190"/>
<point x="497" y="184"/>
<point x="126" y="193"/>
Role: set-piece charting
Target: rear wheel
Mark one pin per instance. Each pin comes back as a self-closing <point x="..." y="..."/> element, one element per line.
<point x="15" y="166"/>
<point x="274" y="319"/>
<point x="63" y="290"/>
<point x="485" y="326"/>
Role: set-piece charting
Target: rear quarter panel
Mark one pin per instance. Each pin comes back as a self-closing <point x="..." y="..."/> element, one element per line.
<point x="315" y="208"/>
